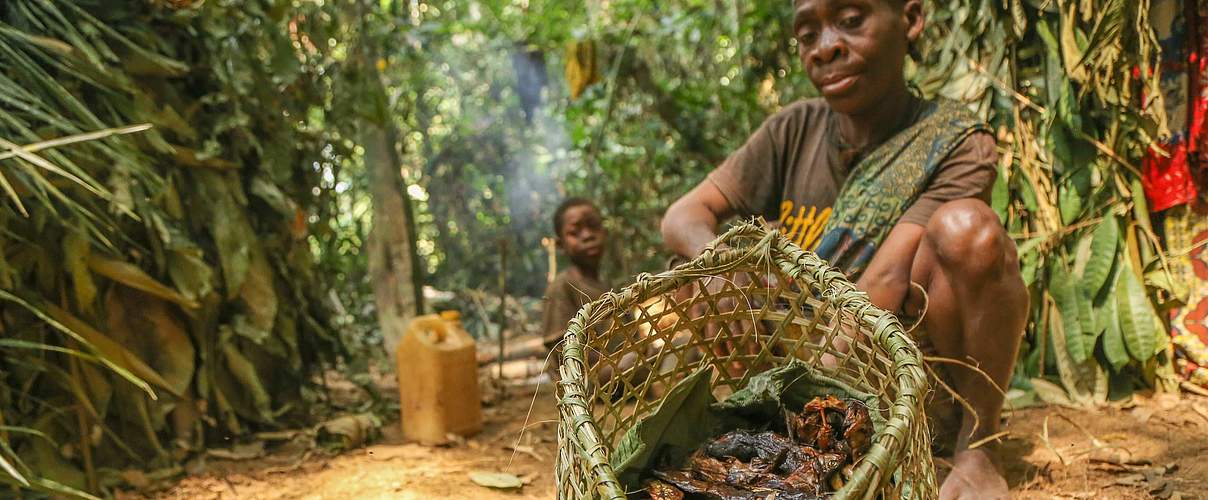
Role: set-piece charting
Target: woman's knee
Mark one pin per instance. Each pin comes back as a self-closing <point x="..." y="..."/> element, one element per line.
<point x="968" y="236"/>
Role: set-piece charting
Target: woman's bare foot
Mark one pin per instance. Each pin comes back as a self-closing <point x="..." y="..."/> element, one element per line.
<point x="974" y="476"/>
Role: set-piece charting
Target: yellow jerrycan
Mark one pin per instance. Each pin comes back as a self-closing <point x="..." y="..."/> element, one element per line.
<point x="438" y="380"/>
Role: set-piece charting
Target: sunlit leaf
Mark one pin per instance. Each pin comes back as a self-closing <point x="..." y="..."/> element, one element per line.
<point x="1136" y="317"/>
<point x="131" y="276"/>
<point x="1066" y="296"/>
<point x="1113" y="337"/>
<point x="1103" y="255"/>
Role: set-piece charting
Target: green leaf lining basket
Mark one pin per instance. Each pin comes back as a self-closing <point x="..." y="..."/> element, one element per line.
<point x="623" y="352"/>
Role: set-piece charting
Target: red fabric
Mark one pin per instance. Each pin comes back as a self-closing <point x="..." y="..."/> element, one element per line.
<point x="1197" y="150"/>
<point x="1167" y="179"/>
<point x="1172" y="180"/>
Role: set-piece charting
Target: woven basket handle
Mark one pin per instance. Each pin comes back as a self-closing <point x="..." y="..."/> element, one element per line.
<point x="755" y="229"/>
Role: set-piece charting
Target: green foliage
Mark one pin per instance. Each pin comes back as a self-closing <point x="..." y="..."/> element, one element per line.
<point x="681" y="86"/>
<point x="158" y="287"/>
<point x="1056" y="80"/>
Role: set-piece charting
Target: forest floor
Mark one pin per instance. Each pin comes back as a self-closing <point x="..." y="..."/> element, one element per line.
<point x="1146" y="448"/>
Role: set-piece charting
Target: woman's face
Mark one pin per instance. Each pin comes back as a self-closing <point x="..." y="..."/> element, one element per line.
<point x="854" y="50"/>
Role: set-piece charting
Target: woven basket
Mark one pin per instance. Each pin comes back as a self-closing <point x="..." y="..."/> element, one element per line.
<point x="621" y="353"/>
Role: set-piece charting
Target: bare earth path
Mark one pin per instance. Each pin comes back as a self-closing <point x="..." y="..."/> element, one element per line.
<point x="1171" y="436"/>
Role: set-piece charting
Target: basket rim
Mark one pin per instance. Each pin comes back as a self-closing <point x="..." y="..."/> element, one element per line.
<point x="723" y="254"/>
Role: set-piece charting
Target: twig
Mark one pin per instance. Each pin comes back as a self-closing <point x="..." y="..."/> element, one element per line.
<point x="1194" y="389"/>
<point x="993" y="437"/>
<point x="1200" y="411"/>
<point x="1187" y="251"/>
<point x="1094" y="440"/>
<point x="1044" y="438"/>
<point x="941" y="359"/>
<point x="1049" y="235"/>
<point x="956" y="397"/>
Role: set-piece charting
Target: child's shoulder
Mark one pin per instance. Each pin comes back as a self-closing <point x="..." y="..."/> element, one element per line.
<point x="561" y="279"/>
<point x="571" y="282"/>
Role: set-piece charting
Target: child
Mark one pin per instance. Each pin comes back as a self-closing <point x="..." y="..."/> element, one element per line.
<point x="581" y="236"/>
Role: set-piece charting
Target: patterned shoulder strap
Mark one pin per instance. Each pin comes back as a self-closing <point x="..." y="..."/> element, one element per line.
<point x="888" y="181"/>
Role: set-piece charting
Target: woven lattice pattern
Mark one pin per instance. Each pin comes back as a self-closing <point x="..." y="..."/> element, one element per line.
<point x="751" y="305"/>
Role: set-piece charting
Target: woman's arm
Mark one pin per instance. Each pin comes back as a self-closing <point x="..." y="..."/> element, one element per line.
<point x="690" y="224"/>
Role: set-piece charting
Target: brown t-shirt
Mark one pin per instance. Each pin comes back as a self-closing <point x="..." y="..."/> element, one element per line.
<point x="563" y="299"/>
<point x="791" y="170"/>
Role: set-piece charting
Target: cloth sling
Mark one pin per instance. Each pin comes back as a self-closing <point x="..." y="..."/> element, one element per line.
<point x="888" y="181"/>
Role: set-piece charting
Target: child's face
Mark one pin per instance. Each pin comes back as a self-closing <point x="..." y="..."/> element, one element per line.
<point x="854" y="50"/>
<point x="583" y="235"/>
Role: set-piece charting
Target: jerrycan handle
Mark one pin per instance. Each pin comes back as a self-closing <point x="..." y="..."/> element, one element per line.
<point x="452" y="319"/>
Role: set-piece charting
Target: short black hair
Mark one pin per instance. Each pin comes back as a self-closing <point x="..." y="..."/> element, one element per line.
<point x="568" y="204"/>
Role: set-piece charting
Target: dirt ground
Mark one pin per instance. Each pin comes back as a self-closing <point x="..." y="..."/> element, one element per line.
<point x="1148" y="448"/>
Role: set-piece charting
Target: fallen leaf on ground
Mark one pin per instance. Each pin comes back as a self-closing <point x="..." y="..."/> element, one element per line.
<point x="348" y="431"/>
<point x="497" y="480"/>
<point x="1116" y="456"/>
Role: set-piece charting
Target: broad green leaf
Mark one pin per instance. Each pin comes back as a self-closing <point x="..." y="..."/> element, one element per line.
<point x="1067" y="298"/>
<point x="1136" y="316"/>
<point x="1113" y="337"/>
<point x="1029" y="267"/>
<point x="1140" y="206"/>
<point x="1082" y="254"/>
<point x="1103" y="254"/>
<point x="1052" y="393"/>
<point x="1000" y="196"/>
<point x="1086" y="320"/>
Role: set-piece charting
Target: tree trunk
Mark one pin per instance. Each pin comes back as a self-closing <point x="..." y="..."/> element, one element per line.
<point x="394" y="269"/>
<point x="393" y="265"/>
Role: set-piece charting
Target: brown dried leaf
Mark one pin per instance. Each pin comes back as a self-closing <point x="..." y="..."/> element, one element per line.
<point x="133" y="277"/>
